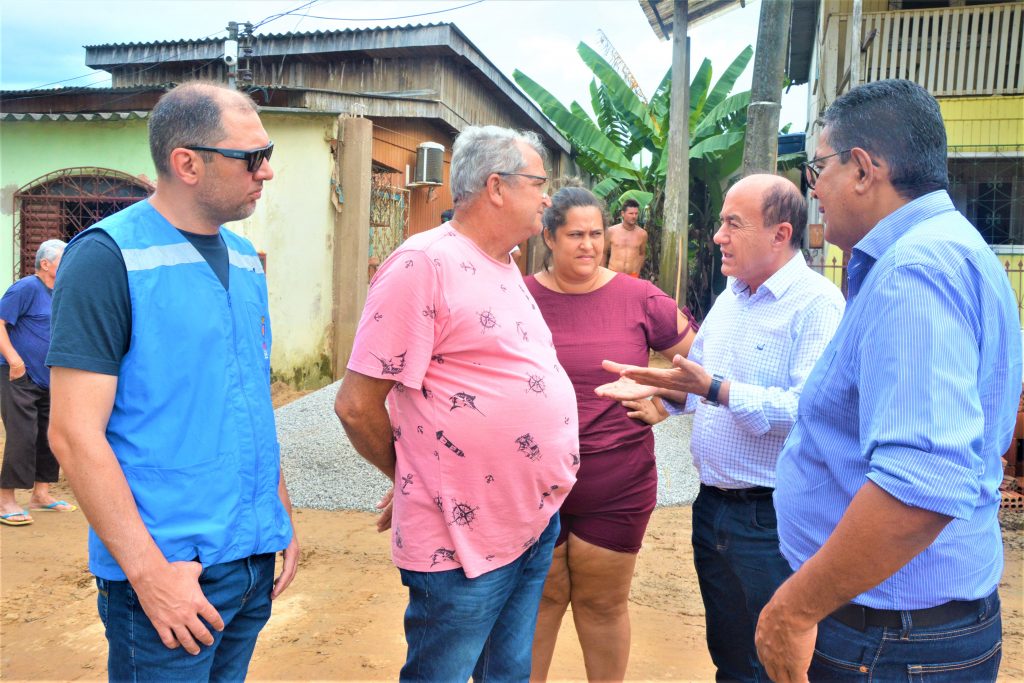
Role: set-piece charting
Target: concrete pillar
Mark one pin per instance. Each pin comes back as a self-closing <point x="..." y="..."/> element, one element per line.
<point x="673" y="274"/>
<point x="761" y="144"/>
<point x="351" y="238"/>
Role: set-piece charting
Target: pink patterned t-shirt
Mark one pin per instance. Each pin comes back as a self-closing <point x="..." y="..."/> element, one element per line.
<point x="484" y="417"/>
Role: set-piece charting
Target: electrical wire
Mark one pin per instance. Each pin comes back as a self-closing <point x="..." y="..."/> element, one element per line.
<point x="406" y="16"/>
<point x="262" y="22"/>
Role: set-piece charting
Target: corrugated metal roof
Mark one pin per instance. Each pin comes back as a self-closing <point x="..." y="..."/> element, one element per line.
<point x="289" y="34"/>
<point x="98" y="116"/>
<point x="661" y="13"/>
<point x="85" y="90"/>
<point x="445" y="37"/>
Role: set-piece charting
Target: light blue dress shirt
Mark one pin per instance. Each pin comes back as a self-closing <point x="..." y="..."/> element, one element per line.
<point x="765" y="344"/>
<point x="917" y="392"/>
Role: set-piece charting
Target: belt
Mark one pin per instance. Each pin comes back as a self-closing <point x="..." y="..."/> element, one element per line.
<point x="740" y="494"/>
<point x="860" y="617"/>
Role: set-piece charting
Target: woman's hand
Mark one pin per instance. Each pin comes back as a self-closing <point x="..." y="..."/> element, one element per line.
<point x="652" y="412"/>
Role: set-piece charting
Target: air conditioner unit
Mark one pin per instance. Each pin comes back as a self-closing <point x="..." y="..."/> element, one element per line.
<point x="429" y="164"/>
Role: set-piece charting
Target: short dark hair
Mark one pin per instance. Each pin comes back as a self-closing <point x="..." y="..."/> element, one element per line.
<point x="898" y="121"/>
<point x="783" y="203"/>
<point x="190" y="114"/>
<point x="557" y="214"/>
<point x="630" y="203"/>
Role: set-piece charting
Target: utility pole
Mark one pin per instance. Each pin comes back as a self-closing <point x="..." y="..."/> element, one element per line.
<point x="231" y="54"/>
<point x="761" y="146"/>
<point x="673" y="273"/>
<point x="245" y="44"/>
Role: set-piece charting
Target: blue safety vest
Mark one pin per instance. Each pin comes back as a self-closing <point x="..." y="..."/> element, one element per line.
<point x="192" y="424"/>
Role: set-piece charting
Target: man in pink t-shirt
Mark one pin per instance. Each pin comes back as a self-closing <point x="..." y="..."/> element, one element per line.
<point x="480" y="433"/>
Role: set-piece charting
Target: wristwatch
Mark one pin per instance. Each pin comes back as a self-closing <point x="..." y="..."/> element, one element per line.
<point x="712" y="396"/>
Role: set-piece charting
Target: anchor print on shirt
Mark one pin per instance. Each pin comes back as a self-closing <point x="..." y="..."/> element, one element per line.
<point x="528" y="447"/>
<point x="406" y="481"/>
<point x="393" y="365"/>
<point x="464" y="400"/>
<point x="522" y="331"/>
<point x="468" y="267"/>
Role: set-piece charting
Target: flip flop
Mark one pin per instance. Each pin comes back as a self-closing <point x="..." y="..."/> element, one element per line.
<point x="55" y="507"/>
<point x="6" y="519"/>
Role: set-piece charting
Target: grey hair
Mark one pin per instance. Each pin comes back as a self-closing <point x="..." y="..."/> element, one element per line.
<point x="49" y="251"/>
<point x="783" y="203"/>
<point x="190" y="114"/>
<point x="480" y="151"/>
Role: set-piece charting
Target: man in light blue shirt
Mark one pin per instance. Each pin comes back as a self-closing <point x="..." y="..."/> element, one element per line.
<point x="743" y="377"/>
<point x="887" y="490"/>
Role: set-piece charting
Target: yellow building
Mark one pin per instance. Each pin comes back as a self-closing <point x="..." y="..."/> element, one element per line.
<point x="968" y="55"/>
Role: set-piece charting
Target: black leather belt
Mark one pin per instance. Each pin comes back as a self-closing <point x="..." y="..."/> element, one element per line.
<point x="740" y="494"/>
<point x="860" y="617"/>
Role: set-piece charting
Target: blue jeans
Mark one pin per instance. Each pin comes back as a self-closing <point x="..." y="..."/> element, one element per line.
<point x="966" y="649"/>
<point x="239" y="590"/>
<point x="484" y="626"/>
<point x="739" y="567"/>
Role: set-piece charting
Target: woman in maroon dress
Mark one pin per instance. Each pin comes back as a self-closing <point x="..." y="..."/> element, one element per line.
<point x="595" y="313"/>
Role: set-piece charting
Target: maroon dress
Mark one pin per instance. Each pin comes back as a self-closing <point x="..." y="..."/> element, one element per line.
<point x="617" y="483"/>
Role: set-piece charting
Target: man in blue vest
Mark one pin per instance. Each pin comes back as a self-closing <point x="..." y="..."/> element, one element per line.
<point x="161" y="412"/>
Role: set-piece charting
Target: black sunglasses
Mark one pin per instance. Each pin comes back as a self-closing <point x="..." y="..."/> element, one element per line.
<point x="254" y="158"/>
<point x="811" y="172"/>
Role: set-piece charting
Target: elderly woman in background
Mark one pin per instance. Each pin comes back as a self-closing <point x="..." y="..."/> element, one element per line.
<point x="595" y="313"/>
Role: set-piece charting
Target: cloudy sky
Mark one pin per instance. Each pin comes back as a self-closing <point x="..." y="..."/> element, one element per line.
<point x="42" y="41"/>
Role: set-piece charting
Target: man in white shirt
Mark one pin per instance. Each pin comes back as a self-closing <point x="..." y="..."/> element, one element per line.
<point x="742" y="380"/>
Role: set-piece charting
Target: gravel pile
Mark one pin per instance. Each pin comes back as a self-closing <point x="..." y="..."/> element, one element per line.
<point x="324" y="472"/>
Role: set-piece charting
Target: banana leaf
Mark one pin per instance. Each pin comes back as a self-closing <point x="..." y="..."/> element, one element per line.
<point x="582" y="130"/>
<point x="728" y="79"/>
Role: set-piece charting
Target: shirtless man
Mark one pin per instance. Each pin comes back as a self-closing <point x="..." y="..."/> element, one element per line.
<point x="626" y="246"/>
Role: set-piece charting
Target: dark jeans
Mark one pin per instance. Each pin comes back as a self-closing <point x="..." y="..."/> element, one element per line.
<point x="739" y="567"/>
<point x="239" y="591"/>
<point x="965" y="649"/>
<point x="457" y="627"/>
<point x="25" y="410"/>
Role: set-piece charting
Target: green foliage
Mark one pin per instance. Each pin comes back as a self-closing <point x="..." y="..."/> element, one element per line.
<point x="624" y="147"/>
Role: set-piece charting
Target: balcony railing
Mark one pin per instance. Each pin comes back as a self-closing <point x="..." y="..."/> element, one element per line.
<point x="834" y="269"/>
<point x="953" y="51"/>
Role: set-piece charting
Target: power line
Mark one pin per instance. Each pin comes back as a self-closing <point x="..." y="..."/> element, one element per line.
<point x="262" y="22"/>
<point x="406" y="16"/>
<point x="266" y="20"/>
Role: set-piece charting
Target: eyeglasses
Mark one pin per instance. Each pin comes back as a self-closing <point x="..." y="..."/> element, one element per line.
<point x="541" y="178"/>
<point x="811" y="171"/>
<point x="253" y="158"/>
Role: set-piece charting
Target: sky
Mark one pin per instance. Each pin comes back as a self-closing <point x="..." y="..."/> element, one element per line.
<point x="41" y="41"/>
